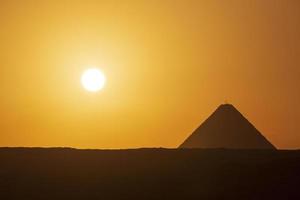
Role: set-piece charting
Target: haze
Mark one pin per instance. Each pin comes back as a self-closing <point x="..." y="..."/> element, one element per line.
<point x="169" y="64"/>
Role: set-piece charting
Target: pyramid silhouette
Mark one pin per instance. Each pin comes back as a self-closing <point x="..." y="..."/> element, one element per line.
<point x="227" y="128"/>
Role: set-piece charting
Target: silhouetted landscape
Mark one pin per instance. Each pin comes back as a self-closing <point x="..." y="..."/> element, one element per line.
<point x="149" y="100"/>
<point x="62" y="173"/>
<point x="238" y="162"/>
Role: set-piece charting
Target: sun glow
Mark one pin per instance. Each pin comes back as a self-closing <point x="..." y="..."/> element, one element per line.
<point x="93" y="80"/>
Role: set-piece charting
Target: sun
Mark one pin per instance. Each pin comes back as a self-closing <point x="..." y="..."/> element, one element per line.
<point x="93" y="80"/>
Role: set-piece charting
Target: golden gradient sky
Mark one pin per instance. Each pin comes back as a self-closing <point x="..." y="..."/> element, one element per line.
<point x="169" y="64"/>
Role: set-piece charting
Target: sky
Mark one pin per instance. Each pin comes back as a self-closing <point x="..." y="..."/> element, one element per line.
<point x="169" y="64"/>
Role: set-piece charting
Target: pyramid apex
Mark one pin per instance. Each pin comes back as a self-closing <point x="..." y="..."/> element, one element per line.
<point x="226" y="105"/>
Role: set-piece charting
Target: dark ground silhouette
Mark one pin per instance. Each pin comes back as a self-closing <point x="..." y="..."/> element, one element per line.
<point x="227" y="128"/>
<point x="62" y="173"/>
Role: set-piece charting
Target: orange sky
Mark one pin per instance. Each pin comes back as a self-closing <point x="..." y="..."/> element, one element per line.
<point x="168" y="64"/>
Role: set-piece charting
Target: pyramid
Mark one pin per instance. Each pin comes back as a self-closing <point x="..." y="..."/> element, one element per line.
<point x="227" y="128"/>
